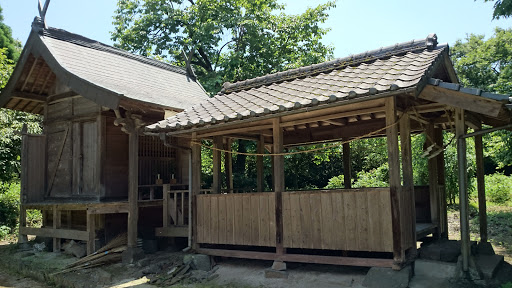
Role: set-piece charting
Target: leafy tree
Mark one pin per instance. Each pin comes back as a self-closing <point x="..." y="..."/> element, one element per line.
<point x="13" y="47"/>
<point x="487" y="64"/>
<point x="225" y="40"/>
<point x="502" y="8"/>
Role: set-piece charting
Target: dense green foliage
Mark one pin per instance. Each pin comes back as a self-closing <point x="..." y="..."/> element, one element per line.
<point x="502" y="8"/>
<point x="12" y="46"/>
<point x="9" y="207"/>
<point x="498" y="188"/>
<point x="226" y="40"/>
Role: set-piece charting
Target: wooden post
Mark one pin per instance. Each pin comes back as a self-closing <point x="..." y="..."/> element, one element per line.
<point x="133" y="187"/>
<point x="56" y="225"/>
<point x="23" y="185"/>
<point x="216" y="185"/>
<point x="91" y="230"/>
<point x="480" y="184"/>
<point x="408" y="181"/>
<point x="432" y="182"/>
<point x="259" y="164"/>
<point x="165" y="205"/>
<point x="394" y="181"/>
<point x="195" y="186"/>
<point x="279" y="185"/>
<point x="347" y="165"/>
<point x="463" y="190"/>
<point x="228" y="165"/>
<point x="441" y="185"/>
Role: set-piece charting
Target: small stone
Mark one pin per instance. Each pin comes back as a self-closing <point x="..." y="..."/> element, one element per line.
<point x="202" y="262"/>
<point x="279" y="266"/>
<point x="103" y="276"/>
<point x="271" y="273"/>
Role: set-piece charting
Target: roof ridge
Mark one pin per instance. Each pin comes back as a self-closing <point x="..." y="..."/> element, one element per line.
<point x="61" y="34"/>
<point x="430" y="43"/>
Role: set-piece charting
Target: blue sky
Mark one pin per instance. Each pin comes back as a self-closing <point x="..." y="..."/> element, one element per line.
<point x="357" y="25"/>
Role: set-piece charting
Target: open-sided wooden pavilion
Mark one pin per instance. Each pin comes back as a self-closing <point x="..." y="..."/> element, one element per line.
<point x="91" y="171"/>
<point x="391" y="92"/>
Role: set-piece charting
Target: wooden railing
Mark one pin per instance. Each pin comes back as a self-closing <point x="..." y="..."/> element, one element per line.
<point x="175" y="207"/>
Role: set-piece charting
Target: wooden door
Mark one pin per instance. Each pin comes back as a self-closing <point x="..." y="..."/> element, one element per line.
<point x="33" y="167"/>
<point x="85" y="158"/>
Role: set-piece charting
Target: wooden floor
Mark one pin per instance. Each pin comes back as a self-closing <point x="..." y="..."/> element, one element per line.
<point x="424" y="229"/>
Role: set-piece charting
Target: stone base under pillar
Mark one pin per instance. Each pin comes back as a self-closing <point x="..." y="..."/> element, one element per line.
<point x="132" y="255"/>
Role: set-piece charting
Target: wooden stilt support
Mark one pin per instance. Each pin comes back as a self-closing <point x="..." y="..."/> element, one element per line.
<point x="216" y="185"/>
<point x="441" y="185"/>
<point x="165" y="205"/>
<point x="195" y="186"/>
<point x="480" y="184"/>
<point x="460" y="128"/>
<point x="408" y="209"/>
<point x="91" y="232"/>
<point x="347" y="165"/>
<point x="279" y="185"/>
<point x="22" y="238"/>
<point x="394" y="181"/>
<point x="259" y="164"/>
<point x="56" y="225"/>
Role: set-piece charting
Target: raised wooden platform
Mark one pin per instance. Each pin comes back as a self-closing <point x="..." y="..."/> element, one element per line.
<point x="424" y="229"/>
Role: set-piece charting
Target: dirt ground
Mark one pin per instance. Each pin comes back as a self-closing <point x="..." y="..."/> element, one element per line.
<point x="8" y="280"/>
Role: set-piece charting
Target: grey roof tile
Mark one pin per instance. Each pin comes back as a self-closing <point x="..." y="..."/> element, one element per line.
<point x="384" y="70"/>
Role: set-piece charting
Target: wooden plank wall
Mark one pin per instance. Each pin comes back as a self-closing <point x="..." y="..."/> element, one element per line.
<point x="34" y="179"/>
<point x="422" y="199"/>
<point x="236" y="219"/>
<point x="116" y="160"/>
<point x="354" y="220"/>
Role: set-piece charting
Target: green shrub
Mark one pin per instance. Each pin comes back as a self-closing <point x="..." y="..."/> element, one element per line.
<point x="507" y="285"/>
<point x="336" y="182"/>
<point x="9" y="205"/>
<point x="374" y="178"/>
<point x="498" y="188"/>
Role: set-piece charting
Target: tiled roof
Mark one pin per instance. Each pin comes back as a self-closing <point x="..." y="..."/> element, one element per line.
<point x="398" y="67"/>
<point x="127" y="75"/>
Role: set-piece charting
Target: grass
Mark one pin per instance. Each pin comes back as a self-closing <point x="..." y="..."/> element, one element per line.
<point x="499" y="226"/>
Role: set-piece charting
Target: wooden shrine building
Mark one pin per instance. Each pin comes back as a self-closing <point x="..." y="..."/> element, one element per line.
<point x="391" y="92"/>
<point x="92" y="172"/>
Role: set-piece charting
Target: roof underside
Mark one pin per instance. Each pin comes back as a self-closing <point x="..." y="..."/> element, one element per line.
<point x="390" y="70"/>
<point x="101" y="73"/>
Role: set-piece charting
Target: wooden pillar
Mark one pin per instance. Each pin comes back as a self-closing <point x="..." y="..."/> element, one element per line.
<point x="441" y="185"/>
<point x="165" y="205"/>
<point x="432" y="181"/>
<point x="460" y="128"/>
<point x="133" y="186"/>
<point x="91" y="230"/>
<point x="23" y="185"/>
<point x="347" y="165"/>
<point x="22" y="238"/>
<point x="279" y="185"/>
<point x="394" y="181"/>
<point x="409" y="211"/>
<point x="480" y="184"/>
<point x="217" y="176"/>
<point x="56" y="225"/>
<point x="228" y="165"/>
<point x="195" y="185"/>
<point x="259" y="164"/>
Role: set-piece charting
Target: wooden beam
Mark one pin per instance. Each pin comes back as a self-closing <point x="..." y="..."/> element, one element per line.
<point x="409" y="210"/>
<point x="279" y="185"/>
<point x="460" y="128"/>
<point x="174" y="231"/>
<point x="300" y="258"/>
<point x="394" y="180"/>
<point x="236" y="130"/>
<point x="347" y="165"/>
<point x="91" y="233"/>
<point x="28" y="96"/>
<point x="45" y="82"/>
<point x="217" y="144"/>
<point x="259" y="164"/>
<point x="441" y="185"/>
<point x="195" y="185"/>
<point x="462" y="100"/>
<point x="59" y="233"/>
<point x="333" y="116"/>
<point x="480" y="184"/>
<point x="29" y="73"/>
<point x="57" y="97"/>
